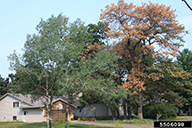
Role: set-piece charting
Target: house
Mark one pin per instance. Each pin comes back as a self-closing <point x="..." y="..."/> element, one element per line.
<point x="23" y="108"/>
<point x="96" y="110"/>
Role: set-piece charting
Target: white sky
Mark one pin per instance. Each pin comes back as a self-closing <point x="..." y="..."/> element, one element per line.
<point x="20" y="17"/>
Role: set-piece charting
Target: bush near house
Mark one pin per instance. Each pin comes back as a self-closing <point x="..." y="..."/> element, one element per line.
<point x="166" y="110"/>
<point x="87" y="119"/>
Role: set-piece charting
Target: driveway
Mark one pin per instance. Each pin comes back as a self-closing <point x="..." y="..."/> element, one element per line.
<point x="112" y="125"/>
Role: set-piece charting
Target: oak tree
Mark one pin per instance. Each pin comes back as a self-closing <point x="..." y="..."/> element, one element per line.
<point x="151" y="28"/>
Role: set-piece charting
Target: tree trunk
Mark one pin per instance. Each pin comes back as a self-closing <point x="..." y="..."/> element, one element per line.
<point x="48" y="126"/>
<point x="129" y="111"/>
<point x="125" y="109"/>
<point x="113" y="114"/>
<point x="48" y="123"/>
<point x="50" y="111"/>
<point x="66" y="118"/>
<point x="47" y="104"/>
<point x="189" y="110"/>
<point x="48" y="115"/>
<point x="118" y="115"/>
<point x="140" y="107"/>
<point x="129" y="107"/>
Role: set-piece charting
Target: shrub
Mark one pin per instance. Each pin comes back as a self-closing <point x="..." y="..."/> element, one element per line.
<point x="166" y="110"/>
<point x="83" y="118"/>
<point x="93" y="119"/>
<point x="137" y="117"/>
<point x="75" y="117"/>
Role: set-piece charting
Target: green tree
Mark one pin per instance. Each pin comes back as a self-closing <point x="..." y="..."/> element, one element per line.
<point x="47" y="56"/>
<point x="3" y="85"/>
<point x="185" y="62"/>
<point x="164" y="82"/>
<point x="96" y="76"/>
<point x="97" y="31"/>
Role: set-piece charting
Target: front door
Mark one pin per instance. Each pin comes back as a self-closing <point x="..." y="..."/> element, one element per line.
<point x="58" y="115"/>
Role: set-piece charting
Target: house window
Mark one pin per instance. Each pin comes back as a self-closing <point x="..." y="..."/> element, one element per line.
<point x="59" y="106"/>
<point x="25" y="112"/>
<point x="15" y="104"/>
<point x="14" y="117"/>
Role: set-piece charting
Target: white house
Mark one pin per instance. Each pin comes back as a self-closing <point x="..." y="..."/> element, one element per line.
<point x="22" y="108"/>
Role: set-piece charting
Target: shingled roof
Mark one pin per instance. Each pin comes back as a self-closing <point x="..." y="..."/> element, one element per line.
<point x="34" y="101"/>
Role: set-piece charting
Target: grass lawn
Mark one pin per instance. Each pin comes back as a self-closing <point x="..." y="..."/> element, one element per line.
<point x="117" y="122"/>
<point x="43" y="125"/>
<point x="144" y="121"/>
<point x="134" y="121"/>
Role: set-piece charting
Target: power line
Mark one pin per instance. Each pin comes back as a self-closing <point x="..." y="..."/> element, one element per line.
<point x="187" y="4"/>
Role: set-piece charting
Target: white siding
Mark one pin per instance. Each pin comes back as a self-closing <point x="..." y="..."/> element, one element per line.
<point x="7" y="111"/>
<point x="121" y="111"/>
<point x="33" y="115"/>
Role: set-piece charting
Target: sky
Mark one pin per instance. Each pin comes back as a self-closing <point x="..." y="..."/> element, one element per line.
<point x="20" y="17"/>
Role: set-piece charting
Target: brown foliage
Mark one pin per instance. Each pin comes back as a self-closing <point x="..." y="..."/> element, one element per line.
<point x="91" y="48"/>
<point x="148" y="23"/>
<point x="142" y="30"/>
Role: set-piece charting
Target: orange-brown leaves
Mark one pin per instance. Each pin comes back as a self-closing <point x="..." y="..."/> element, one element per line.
<point x="135" y="81"/>
<point x="139" y="29"/>
<point x="151" y="23"/>
<point x="91" y="48"/>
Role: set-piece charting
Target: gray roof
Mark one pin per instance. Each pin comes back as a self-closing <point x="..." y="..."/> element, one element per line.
<point x="34" y="101"/>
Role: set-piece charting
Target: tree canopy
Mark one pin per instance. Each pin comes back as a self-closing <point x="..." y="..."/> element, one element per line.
<point x="48" y="56"/>
<point x="140" y="28"/>
<point x="72" y="59"/>
<point x="3" y="85"/>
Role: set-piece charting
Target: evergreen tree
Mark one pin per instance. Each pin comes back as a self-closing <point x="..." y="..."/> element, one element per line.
<point x="185" y="62"/>
<point x="3" y="85"/>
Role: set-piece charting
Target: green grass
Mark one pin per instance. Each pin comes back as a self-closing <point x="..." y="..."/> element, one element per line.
<point x="117" y="122"/>
<point x="144" y="121"/>
<point x="179" y="118"/>
<point x="43" y="125"/>
<point x="134" y="121"/>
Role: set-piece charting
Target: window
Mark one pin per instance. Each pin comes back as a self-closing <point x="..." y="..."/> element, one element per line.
<point x="15" y="104"/>
<point x="14" y="117"/>
<point x="59" y="106"/>
<point x="25" y="112"/>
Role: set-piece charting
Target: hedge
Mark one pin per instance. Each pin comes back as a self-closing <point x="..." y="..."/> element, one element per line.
<point x="166" y="110"/>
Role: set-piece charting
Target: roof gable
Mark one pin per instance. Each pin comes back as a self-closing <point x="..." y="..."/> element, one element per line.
<point x="60" y="99"/>
<point x="20" y="98"/>
<point x="39" y="102"/>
